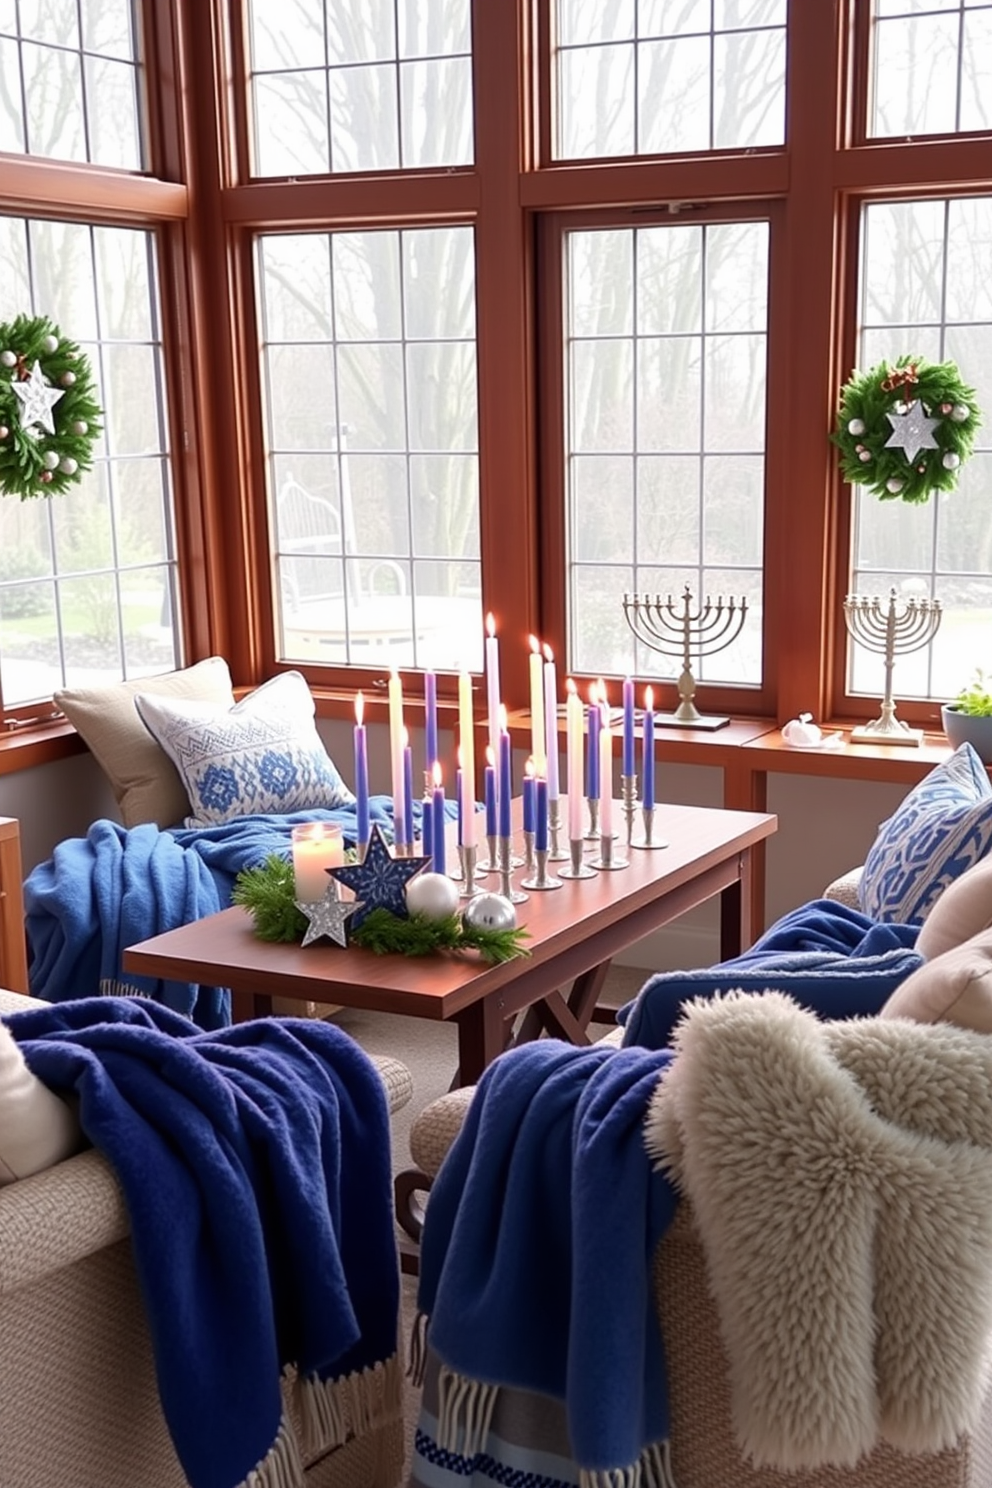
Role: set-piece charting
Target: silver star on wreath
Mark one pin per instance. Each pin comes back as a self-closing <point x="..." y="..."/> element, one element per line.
<point x="38" y="398"/>
<point x="329" y="916"/>
<point x="912" y="431"/>
<point x="380" y="880"/>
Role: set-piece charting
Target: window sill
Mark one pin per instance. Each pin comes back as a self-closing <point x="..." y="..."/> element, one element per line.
<point x="38" y="744"/>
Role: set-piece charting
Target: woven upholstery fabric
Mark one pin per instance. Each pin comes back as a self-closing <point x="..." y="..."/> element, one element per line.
<point x="437" y="1126"/>
<point x="703" y="1449"/>
<point x="396" y="1078"/>
<point x="844" y="890"/>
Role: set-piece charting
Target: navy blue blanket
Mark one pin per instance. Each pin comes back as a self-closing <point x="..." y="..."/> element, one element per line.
<point x="536" y="1255"/>
<point x="255" y="1167"/>
<point x="116" y="886"/>
<point x="829" y="958"/>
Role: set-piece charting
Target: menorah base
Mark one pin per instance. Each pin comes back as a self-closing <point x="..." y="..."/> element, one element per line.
<point x="701" y="721"/>
<point x="883" y="731"/>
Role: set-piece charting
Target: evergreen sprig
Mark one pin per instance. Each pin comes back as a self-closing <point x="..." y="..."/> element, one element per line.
<point x="75" y="417"/>
<point x="268" y="893"/>
<point x="863" y="430"/>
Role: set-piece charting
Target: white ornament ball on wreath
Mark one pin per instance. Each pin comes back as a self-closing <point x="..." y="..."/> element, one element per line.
<point x="856" y="426"/>
<point x="490" y="912"/>
<point x="951" y="461"/>
<point x="864" y="456"/>
<point x="50" y="460"/>
<point x="50" y="344"/>
<point x="894" y="485"/>
<point x="9" y="358"/>
<point x="4" y="431"/>
<point x="959" y="413"/>
<point x="433" y="895"/>
<point x="80" y="426"/>
<point x="68" y="466"/>
<point x="67" y="379"/>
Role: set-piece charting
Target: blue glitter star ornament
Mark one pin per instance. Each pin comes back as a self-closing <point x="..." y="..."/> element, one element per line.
<point x="380" y="881"/>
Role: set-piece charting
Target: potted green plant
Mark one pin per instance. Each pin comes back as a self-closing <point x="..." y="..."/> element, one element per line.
<point x="969" y="717"/>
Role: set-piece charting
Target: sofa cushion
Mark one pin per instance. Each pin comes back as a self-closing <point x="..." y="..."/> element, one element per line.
<point x="941" y="828"/>
<point x="955" y="987"/>
<point x="962" y="910"/>
<point x="37" y="1127"/>
<point x="261" y="755"/>
<point x="145" y="782"/>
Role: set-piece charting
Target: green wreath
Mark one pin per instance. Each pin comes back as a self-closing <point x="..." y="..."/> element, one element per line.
<point x="906" y="430"/>
<point x="49" y="416"/>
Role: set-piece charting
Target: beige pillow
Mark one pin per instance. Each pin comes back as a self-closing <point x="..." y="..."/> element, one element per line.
<point x="37" y="1127"/>
<point x="962" y="910"/>
<point x="953" y="988"/>
<point x="145" y="782"/>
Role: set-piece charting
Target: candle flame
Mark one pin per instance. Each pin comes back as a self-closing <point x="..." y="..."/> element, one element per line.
<point x="535" y="644"/>
<point x="490" y="625"/>
<point x="359" y="708"/>
<point x="502" y="718"/>
<point x="570" y="685"/>
<point x="549" y="655"/>
<point x="593" y="694"/>
<point x="458" y="752"/>
<point x="437" y="774"/>
<point x="405" y="736"/>
<point x="649" y="699"/>
<point x="602" y="690"/>
<point x="490" y="757"/>
<point x="529" y="768"/>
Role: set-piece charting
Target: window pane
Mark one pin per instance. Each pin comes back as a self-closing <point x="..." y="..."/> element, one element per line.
<point x="924" y="290"/>
<point x="386" y="468"/>
<point x="335" y="89"/>
<point x="86" y="579"/>
<point x="665" y="450"/>
<point x="66" y="93"/>
<point x="932" y="67"/>
<point x="669" y="76"/>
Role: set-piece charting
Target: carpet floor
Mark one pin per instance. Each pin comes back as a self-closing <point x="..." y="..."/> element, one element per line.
<point x="430" y="1052"/>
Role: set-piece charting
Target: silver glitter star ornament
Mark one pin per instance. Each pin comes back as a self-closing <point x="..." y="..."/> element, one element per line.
<point x="912" y="431"/>
<point x="329" y="916"/>
<point x="37" y="399"/>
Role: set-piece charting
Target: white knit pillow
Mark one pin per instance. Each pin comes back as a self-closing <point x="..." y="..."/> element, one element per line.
<point x="37" y="1127"/>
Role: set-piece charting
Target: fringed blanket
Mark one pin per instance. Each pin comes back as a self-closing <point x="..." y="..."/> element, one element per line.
<point x="831" y="959"/>
<point x="116" y="886"/>
<point x="841" y="1178"/>
<point x="535" y="1269"/>
<point x="255" y="1167"/>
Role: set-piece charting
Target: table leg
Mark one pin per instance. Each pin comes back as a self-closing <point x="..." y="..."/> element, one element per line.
<point x="481" y="1036"/>
<point x="736" y="910"/>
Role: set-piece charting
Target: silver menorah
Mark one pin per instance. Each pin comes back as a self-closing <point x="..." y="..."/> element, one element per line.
<point x="681" y="632"/>
<point x="890" y="634"/>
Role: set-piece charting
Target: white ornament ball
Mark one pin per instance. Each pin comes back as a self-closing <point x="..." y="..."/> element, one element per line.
<point x="959" y="413"/>
<point x="490" y="912"/>
<point x="951" y="461"/>
<point x="50" y="343"/>
<point x="856" y="426"/>
<point x="80" y="426"/>
<point x="865" y="456"/>
<point x="433" y="895"/>
<point x="4" y="431"/>
<point x="68" y="466"/>
<point x="9" y="358"/>
<point x="894" y="485"/>
<point x="900" y="407"/>
<point x="67" y="379"/>
<point x="50" y="460"/>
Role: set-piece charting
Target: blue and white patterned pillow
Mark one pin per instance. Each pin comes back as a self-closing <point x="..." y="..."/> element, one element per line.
<point x="264" y="755"/>
<point x="942" y="827"/>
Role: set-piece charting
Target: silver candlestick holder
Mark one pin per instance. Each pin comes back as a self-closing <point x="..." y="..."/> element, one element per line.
<point x="608" y="857"/>
<point x="576" y="867"/>
<point x="889" y="634"/>
<point x="468" y="859"/>
<point x="556" y="853"/>
<point x="711" y="627"/>
<point x="592" y="831"/>
<point x="648" y="840"/>
<point x="505" y="873"/>
<point x="628" y="790"/>
<point x="491" y="863"/>
<point x="541" y="878"/>
<point x="528" y="863"/>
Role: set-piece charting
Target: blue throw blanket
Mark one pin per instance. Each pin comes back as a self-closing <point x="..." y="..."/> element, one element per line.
<point x="535" y="1267"/>
<point x="829" y="958"/>
<point x="116" y="886"/>
<point x="255" y="1167"/>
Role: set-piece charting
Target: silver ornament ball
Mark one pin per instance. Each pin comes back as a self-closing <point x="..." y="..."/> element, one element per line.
<point x="67" y="379"/>
<point x="951" y="461"/>
<point x="8" y="358"/>
<point x="490" y="912"/>
<point x="959" y="413"/>
<point x="50" y="344"/>
<point x="80" y="426"/>
<point x="856" y="426"/>
<point x="894" y="485"/>
<point x="433" y="895"/>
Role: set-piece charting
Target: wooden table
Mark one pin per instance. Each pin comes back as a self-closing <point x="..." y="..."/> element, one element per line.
<point x="574" y="931"/>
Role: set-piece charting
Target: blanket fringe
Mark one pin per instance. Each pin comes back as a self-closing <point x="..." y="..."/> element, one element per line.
<point x="417" y="1362"/>
<point x="109" y="987"/>
<point x="333" y="1411"/>
<point x="465" y="1409"/>
<point x="281" y="1467"/>
<point x="653" y="1469"/>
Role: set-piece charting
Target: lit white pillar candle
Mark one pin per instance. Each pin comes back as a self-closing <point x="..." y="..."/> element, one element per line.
<point x="396" y="751"/>
<point x="317" y="846"/>
<point x="538" y="745"/>
<point x="551" y="722"/>
<point x="574" y="764"/>
<point x="466" y="732"/>
<point x="605" y="774"/>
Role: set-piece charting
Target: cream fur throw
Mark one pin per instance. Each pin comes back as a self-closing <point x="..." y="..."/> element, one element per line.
<point x="841" y="1178"/>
